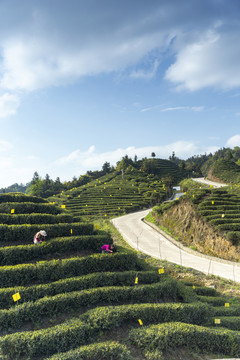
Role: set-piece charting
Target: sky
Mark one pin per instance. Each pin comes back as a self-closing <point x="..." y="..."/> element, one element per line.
<point x="83" y="82"/>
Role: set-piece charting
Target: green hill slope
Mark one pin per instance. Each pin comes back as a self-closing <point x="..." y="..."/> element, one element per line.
<point x="123" y="191"/>
<point x="205" y="219"/>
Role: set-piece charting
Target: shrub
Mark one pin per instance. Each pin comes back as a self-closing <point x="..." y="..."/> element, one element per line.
<point x="106" y="350"/>
<point x="19" y="197"/>
<point x="48" y="306"/>
<point x="234" y="237"/>
<point x="173" y="335"/>
<point x="29" y="208"/>
<point x="84" y="329"/>
<point x="35" y="219"/>
<point x="35" y="292"/>
<point x="22" y="233"/>
<point x="11" y="255"/>
<point x="46" y="342"/>
<point x="47" y="271"/>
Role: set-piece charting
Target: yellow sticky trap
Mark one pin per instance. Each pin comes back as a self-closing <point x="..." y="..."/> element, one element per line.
<point x="145" y="260"/>
<point x="212" y="202"/>
<point x="119" y="208"/>
<point x="161" y="271"/>
<point x="223" y="215"/>
<point x="105" y="215"/>
<point x="110" y="195"/>
<point x="226" y="305"/>
<point x="12" y="211"/>
<point x="217" y="321"/>
<point x="136" y="280"/>
<point x="131" y="204"/>
<point x="176" y="198"/>
<point x="185" y="193"/>
<point x="193" y="196"/>
<point x="194" y="287"/>
<point x="211" y="186"/>
<point x="119" y="188"/>
<point x="16" y="297"/>
<point x="71" y="231"/>
<point x="86" y="204"/>
<point x="63" y="206"/>
<point x="140" y="322"/>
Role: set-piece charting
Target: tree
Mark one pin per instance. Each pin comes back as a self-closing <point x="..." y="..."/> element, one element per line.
<point x="35" y="177"/>
<point x="153" y="154"/>
<point x="106" y="168"/>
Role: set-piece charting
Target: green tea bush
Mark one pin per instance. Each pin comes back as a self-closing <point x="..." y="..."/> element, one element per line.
<point x="234" y="237"/>
<point x="47" y="271"/>
<point x="29" y="208"/>
<point x="107" y="350"/>
<point x="49" y="306"/>
<point x="25" y="233"/>
<point x="230" y="322"/>
<point x="35" y="292"/>
<point x="111" y="317"/>
<point x="19" y="197"/>
<point x="176" y="334"/>
<point x="87" y="327"/>
<point x="205" y="291"/>
<point x="212" y="300"/>
<point x="35" y="219"/>
<point x="46" y="342"/>
<point x="12" y="255"/>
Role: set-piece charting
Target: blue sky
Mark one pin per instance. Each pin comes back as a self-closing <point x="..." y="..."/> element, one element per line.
<point x="86" y="81"/>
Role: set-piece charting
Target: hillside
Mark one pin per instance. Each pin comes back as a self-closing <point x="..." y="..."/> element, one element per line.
<point x="205" y="219"/>
<point x="114" y="194"/>
<point x="73" y="302"/>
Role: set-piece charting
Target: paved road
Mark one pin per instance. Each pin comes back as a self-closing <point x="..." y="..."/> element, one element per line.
<point x="143" y="237"/>
<point x="209" y="182"/>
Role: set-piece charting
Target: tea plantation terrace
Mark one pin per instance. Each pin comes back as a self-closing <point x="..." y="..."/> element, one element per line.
<point x="113" y="195"/>
<point x="71" y="300"/>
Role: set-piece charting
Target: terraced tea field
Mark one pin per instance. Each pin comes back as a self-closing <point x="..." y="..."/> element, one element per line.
<point x="63" y="299"/>
<point x="113" y="195"/>
<point x="221" y="208"/>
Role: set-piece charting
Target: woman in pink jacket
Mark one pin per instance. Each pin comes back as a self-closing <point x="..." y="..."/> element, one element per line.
<point x="107" y="248"/>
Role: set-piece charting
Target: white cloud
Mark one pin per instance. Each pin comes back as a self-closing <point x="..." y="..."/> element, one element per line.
<point x="186" y="108"/>
<point x="9" y="104"/>
<point x="211" y="61"/>
<point x="233" y="141"/>
<point x="93" y="160"/>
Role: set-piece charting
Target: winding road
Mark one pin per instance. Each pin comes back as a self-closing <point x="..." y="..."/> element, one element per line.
<point x="152" y="241"/>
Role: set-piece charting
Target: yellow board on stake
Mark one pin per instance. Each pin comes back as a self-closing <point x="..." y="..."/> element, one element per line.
<point x="217" y="321"/>
<point x="63" y="206"/>
<point x="161" y="271"/>
<point x="136" y="280"/>
<point x="212" y="202"/>
<point x="16" y="297"/>
<point x="140" y="322"/>
<point x="223" y="215"/>
<point x="71" y="231"/>
<point x="12" y="211"/>
<point x="226" y="305"/>
<point x="194" y="287"/>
